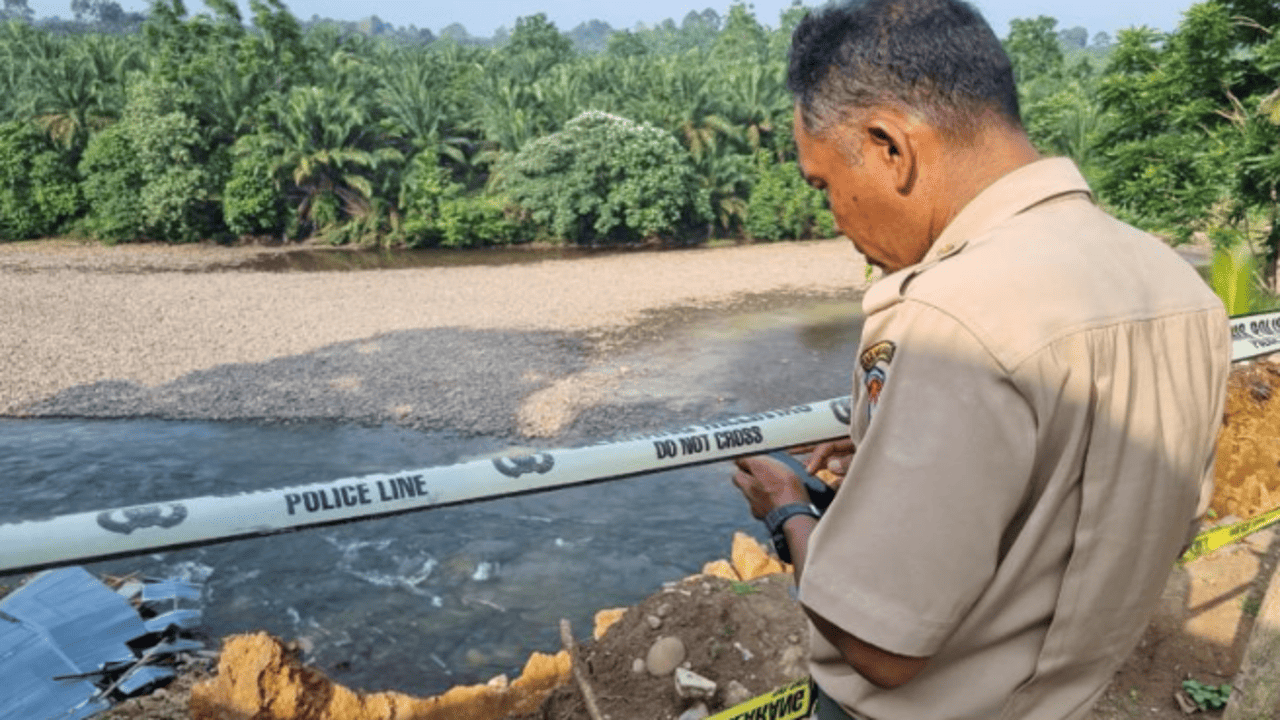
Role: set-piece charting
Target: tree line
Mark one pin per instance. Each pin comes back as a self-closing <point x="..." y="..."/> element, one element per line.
<point x="215" y="126"/>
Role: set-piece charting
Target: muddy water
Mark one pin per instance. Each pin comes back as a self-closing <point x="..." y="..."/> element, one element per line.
<point x="425" y="601"/>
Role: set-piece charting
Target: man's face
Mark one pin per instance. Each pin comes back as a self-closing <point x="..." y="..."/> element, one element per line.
<point x="869" y="207"/>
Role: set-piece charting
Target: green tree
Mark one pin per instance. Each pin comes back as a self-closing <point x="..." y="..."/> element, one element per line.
<point x="1033" y="49"/>
<point x="626" y="44"/>
<point x="742" y="39"/>
<point x="535" y="34"/>
<point x="605" y="178"/>
<point x="1193" y="147"/>
<point x="783" y="206"/>
<point x="1075" y="38"/>
<point x="147" y="177"/>
<point x="39" y="190"/>
<point x="252" y="200"/>
<point x="331" y="156"/>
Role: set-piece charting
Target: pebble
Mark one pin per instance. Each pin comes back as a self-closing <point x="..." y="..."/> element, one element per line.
<point x="794" y="663"/>
<point x="735" y="693"/>
<point x="691" y="685"/>
<point x="475" y="658"/>
<point x="654" y="621"/>
<point x="664" y="610"/>
<point x="665" y="655"/>
<point x="637" y="666"/>
<point x="697" y="712"/>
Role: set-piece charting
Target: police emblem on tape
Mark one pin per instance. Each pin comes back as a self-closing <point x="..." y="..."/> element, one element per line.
<point x="842" y="410"/>
<point x="517" y="465"/>
<point x="875" y="362"/>
<point x="126" y="521"/>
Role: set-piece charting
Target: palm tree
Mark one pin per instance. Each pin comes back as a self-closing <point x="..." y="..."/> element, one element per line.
<point x="326" y="146"/>
<point x="80" y="90"/>
<point x="757" y="99"/>
<point x="416" y="99"/>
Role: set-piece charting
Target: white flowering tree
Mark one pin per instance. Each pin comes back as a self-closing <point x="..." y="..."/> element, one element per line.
<point x="603" y="179"/>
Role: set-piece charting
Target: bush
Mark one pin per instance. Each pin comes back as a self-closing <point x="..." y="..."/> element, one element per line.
<point x="147" y="176"/>
<point x="38" y="184"/>
<point x="252" y="200"/>
<point x="605" y="178"/>
<point x="437" y="213"/>
<point x="783" y="206"/>
<point x="112" y="186"/>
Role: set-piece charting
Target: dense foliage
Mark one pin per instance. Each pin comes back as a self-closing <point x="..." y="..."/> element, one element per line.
<point x="174" y="127"/>
<point x="605" y="178"/>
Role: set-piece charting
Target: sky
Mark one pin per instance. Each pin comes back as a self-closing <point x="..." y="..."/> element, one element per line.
<point x="482" y="17"/>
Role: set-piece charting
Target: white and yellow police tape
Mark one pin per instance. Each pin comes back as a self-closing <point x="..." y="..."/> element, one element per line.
<point x="789" y="702"/>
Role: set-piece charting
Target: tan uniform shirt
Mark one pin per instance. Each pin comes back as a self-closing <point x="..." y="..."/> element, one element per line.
<point x="1035" y="410"/>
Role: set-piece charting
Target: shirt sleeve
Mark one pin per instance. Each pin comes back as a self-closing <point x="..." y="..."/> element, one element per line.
<point x="914" y="534"/>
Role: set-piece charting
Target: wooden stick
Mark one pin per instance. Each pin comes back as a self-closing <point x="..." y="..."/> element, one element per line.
<point x="588" y="696"/>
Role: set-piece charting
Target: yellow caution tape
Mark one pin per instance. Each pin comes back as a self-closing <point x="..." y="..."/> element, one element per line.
<point x="1210" y="540"/>
<point x="791" y="702"/>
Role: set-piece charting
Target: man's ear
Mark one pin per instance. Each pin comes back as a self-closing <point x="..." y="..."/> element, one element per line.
<point x="895" y="149"/>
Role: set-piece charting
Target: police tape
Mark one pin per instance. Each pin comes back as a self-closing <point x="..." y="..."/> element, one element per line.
<point x="1214" y="538"/>
<point x="121" y="532"/>
<point x="1254" y="334"/>
<point x="789" y="702"/>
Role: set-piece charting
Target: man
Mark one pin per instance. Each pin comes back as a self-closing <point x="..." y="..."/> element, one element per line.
<point x="1035" y="401"/>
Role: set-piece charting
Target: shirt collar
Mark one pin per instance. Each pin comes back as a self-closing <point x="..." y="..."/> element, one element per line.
<point x="1016" y="192"/>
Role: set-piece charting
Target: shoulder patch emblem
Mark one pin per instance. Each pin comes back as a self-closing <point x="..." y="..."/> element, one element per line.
<point x="875" y="370"/>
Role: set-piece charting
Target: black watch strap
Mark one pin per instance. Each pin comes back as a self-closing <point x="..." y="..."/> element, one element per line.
<point x="776" y="517"/>
<point x="774" y="520"/>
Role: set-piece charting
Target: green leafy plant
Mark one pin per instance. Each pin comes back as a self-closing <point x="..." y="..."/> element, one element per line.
<point x="604" y="178"/>
<point x="38" y="184"/>
<point x="1207" y="697"/>
<point x="1232" y="272"/>
<point x="437" y="212"/>
<point x="783" y="206"/>
<point x="252" y="201"/>
<point x="150" y="176"/>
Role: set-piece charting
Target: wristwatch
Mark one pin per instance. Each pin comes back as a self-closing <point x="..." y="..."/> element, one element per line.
<point x="774" y="520"/>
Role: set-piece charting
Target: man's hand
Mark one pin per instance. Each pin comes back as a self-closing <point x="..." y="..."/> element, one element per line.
<point x="767" y="484"/>
<point x="834" y="456"/>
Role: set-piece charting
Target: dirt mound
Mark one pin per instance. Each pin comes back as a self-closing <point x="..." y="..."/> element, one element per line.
<point x="260" y="678"/>
<point x="1248" y="470"/>
<point x="748" y="637"/>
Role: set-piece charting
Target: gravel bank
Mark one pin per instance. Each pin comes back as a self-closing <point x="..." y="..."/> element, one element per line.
<point x="168" y="332"/>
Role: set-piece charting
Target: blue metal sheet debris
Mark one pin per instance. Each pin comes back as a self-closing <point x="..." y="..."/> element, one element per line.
<point x="28" y="663"/>
<point x="87" y="620"/>
<point x="146" y="677"/>
<point x="65" y="649"/>
<point x="170" y="590"/>
<point x="184" y="618"/>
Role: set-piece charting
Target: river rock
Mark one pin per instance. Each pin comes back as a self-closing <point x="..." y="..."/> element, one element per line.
<point x="794" y="663"/>
<point x="665" y="655"/>
<point x="735" y="693"/>
<point x="697" y="712"/>
<point x="654" y="621"/>
<point x="692" y="686"/>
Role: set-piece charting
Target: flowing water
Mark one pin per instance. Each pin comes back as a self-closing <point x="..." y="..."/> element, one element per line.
<point x="424" y="601"/>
